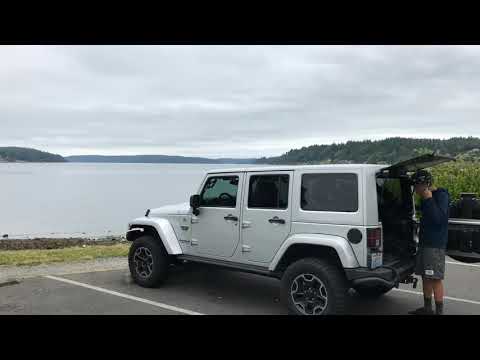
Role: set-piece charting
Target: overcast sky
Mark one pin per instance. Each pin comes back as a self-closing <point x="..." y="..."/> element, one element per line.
<point x="232" y="101"/>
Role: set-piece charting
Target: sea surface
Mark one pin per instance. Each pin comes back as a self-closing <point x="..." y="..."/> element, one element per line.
<point x="89" y="199"/>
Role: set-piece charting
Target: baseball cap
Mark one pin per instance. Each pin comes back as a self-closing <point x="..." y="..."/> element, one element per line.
<point x="422" y="177"/>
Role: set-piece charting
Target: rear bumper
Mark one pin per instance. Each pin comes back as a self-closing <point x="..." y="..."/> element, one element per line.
<point x="385" y="276"/>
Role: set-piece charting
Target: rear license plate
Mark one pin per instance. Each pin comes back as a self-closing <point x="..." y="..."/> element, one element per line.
<point x="376" y="260"/>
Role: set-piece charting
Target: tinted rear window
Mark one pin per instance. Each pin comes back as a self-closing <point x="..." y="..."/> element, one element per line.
<point x="329" y="192"/>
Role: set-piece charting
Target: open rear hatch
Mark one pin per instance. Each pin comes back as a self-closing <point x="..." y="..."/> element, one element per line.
<point x="396" y="204"/>
<point x="400" y="228"/>
<point x="464" y="230"/>
<point x="396" y="207"/>
<point x="396" y="213"/>
<point x="414" y="164"/>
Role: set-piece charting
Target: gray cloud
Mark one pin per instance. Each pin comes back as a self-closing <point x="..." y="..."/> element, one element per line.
<point x="232" y="100"/>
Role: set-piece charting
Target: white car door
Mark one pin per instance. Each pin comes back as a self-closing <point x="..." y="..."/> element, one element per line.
<point x="216" y="230"/>
<point x="267" y="214"/>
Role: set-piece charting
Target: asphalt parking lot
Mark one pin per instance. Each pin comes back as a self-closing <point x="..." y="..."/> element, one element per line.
<point x="199" y="289"/>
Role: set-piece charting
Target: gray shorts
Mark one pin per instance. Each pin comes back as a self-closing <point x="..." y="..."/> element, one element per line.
<point x="430" y="263"/>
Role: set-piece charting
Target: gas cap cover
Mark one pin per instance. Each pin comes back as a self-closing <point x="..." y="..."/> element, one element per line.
<point x="354" y="236"/>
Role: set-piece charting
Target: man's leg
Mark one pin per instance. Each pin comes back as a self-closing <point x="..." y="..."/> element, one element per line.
<point x="427" y="285"/>
<point x="438" y="292"/>
<point x="439" y="273"/>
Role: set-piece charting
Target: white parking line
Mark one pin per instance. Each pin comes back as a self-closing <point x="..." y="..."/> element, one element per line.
<point x="125" y="296"/>
<point x="446" y="297"/>
<point x="462" y="264"/>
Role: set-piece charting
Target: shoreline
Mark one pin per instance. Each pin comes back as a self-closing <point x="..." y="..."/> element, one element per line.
<point x="43" y="243"/>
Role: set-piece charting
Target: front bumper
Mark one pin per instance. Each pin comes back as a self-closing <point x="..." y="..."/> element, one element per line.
<point x="387" y="276"/>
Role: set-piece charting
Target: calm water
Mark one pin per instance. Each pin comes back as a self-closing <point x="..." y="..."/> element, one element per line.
<point x="95" y="199"/>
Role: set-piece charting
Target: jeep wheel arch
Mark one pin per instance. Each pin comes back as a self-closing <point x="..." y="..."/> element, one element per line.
<point x="160" y="229"/>
<point x="307" y="245"/>
<point x="137" y="231"/>
<point x="301" y="251"/>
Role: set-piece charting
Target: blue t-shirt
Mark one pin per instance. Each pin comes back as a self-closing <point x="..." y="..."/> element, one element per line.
<point x="434" y="221"/>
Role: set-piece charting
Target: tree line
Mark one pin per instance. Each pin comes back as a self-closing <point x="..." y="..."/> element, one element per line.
<point x="14" y="154"/>
<point x="385" y="151"/>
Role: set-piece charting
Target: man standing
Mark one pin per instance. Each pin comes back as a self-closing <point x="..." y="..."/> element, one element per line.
<point x="433" y="237"/>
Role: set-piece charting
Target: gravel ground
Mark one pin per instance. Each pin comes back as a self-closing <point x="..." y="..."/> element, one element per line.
<point x="8" y="273"/>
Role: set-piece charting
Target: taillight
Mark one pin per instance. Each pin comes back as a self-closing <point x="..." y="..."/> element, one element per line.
<point x="374" y="237"/>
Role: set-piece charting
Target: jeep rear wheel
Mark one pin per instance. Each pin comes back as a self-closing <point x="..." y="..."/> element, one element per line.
<point x="148" y="261"/>
<point x="314" y="287"/>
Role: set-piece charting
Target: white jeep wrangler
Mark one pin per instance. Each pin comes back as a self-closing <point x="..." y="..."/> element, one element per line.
<point x="321" y="229"/>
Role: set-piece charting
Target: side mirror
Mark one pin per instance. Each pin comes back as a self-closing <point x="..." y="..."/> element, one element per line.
<point x="195" y="203"/>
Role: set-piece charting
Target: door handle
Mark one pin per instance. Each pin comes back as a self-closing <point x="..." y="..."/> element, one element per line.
<point x="276" y="220"/>
<point x="230" y="217"/>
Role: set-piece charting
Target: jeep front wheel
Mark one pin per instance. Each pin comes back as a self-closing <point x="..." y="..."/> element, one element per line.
<point x="148" y="261"/>
<point x="314" y="287"/>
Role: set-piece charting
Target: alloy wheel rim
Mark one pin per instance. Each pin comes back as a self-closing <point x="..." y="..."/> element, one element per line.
<point x="143" y="260"/>
<point x="309" y="294"/>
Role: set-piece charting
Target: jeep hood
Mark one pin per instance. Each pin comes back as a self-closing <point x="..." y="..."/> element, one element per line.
<point x="177" y="209"/>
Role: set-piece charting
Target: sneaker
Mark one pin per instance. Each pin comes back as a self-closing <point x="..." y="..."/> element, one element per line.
<point x="421" y="311"/>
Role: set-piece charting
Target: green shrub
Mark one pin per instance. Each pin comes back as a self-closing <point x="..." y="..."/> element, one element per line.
<point x="457" y="177"/>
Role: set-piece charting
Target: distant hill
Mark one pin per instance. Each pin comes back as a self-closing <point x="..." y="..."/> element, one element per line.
<point x="155" y="159"/>
<point x="20" y="154"/>
<point x="387" y="151"/>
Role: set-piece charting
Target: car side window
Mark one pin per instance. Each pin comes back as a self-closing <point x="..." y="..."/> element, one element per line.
<point x="220" y="191"/>
<point x="329" y="192"/>
<point x="268" y="191"/>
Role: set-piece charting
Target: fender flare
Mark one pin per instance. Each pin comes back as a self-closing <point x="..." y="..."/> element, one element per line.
<point x="341" y="245"/>
<point x="164" y="230"/>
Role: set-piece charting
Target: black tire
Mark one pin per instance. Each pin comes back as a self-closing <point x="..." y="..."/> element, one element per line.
<point x="464" y="259"/>
<point x="372" y="292"/>
<point x="158" y="270"/>
<point x="332" y="278"/>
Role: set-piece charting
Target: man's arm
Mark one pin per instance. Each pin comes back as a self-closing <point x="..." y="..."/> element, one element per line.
<point x="436" y="211"/>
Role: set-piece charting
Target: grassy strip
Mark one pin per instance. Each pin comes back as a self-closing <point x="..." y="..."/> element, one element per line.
<point x="52" y="243"/>
<point x="36" y="257"/>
